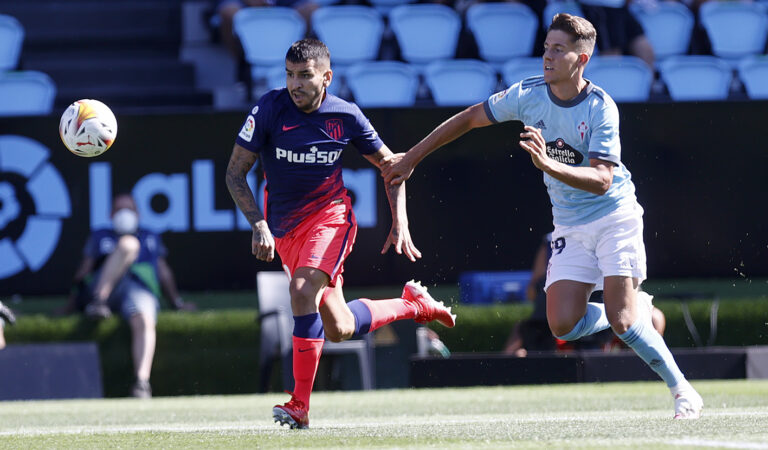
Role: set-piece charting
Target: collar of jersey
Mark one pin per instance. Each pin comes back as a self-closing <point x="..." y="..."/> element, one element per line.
<point x="575" y="100"/>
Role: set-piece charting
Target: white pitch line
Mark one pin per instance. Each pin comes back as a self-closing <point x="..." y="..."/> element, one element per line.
<point x="260" y="426"/>
<point x="719" y="444"/>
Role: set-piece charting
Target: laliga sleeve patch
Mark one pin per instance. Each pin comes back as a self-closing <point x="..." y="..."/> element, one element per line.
<point x="496" y="98"/>
<point x="246" y="133"/>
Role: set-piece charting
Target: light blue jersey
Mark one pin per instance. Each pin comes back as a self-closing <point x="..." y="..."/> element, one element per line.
<point x="584" y="128"/>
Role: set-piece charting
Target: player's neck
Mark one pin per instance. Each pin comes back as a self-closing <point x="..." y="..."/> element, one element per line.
<point x="315" y="106"/>
<point x="568" y="89"/>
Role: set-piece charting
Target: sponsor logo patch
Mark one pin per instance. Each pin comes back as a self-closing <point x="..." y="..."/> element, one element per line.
<point x="314" y="156"/>
<point x="496" y="98"/>
<point x="247" y="131"/>
<point x="560" y="151"/>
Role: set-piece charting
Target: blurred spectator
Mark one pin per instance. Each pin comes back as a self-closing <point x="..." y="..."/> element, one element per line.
<point x="226" y="10"/>
<point x="6" y="317"/>
<point x="618" y="32"/>
<point x="534" y="333"/>
<point x="122" y="271"/>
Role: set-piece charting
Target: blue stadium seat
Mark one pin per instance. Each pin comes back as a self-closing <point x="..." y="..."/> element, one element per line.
<point x="383" y="84"/>
<point x="26" y="93"/>
<point x="557" y="7"/>
<point x="276" y="77"/>
<point x="460" y="82"/>
<point x="11" y="39"/>
<point x="266" y="34"/>
<point x="385" y="6"/>
<point x="696" y="77"/>
<point x="753" y="72"/>
<point x="735" y="29"/>
<point x="624" y="78"/>
<point x="502" y="30"/>
<point x="518" y="69"/>
<point x="668" y="27"/>
<point x="351" y="32"/>
<point x="425" y="32"/>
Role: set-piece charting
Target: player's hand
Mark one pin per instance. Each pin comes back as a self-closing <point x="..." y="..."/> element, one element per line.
<point x="533" y="142"/>
<point x="400" y="238"/>
<point x="262" y="242"/>
<point x="396" y="168"/>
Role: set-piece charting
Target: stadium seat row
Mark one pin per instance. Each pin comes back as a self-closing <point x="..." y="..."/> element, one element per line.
<point x="461" y="82"/>
<point x="429" y="32"/>
<point x="22" y="92"/>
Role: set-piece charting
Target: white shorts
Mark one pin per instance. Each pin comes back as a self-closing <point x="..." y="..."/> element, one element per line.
<point x="610" y="245"/>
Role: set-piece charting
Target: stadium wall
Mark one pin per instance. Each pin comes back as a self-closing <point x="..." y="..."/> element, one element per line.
<point x="479" y="204"/>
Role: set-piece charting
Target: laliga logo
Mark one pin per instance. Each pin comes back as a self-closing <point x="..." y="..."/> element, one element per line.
<point x="32" y="185"/>
<point x="191" y="200"/>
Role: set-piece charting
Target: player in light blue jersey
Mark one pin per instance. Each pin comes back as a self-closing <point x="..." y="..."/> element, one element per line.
<point x="572" y="136"/>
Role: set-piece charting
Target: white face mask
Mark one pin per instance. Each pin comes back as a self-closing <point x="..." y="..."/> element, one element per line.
<point x="125" y="221"/>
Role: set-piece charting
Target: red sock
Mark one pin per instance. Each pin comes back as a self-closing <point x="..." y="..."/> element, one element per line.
<point x="389" y="310"/>
<point x="306" y="356"/>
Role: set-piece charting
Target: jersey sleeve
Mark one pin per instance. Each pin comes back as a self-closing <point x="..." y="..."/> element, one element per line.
<point x="365" y="137"/>
<point x="162" y="250"/>
<point x="255" y="131"/>
<point x="91" y="248"/>
<point x="604" y="143"/>
<point x="505" y="105"/>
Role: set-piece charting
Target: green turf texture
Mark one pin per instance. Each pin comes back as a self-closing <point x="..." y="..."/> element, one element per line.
<point x="610" y="415"/>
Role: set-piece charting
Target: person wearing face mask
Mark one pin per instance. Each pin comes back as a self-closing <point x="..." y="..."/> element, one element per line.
<point x="124" y="271"/>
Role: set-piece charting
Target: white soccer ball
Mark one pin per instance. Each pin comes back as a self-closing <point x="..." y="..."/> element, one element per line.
<point x="88" y="128"/>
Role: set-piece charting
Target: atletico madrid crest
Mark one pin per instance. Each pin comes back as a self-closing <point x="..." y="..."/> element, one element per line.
<point x="334" y="128"/>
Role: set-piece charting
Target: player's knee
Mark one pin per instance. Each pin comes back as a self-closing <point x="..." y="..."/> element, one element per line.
<point x="303" y="295"/>
<point x="560" y="328"/>
<point x="339" y="329"/>
<point x="335" y="333"/>
<point x="129" y="245"/>
<point x="621" y="324"/>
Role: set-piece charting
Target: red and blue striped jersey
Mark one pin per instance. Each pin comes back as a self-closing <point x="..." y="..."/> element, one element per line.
<point x="301" y="153"/>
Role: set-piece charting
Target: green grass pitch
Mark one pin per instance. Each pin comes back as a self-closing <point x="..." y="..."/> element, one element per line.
<point x="610" y="415"/>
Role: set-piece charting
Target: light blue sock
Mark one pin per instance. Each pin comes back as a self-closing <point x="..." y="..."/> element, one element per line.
<point x="651" y="348"/>
<point x="593" y="321"/>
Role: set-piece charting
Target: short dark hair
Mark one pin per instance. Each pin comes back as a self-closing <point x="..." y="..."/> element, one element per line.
<point x="308" y="49"/>
<point x="580" y="29"/>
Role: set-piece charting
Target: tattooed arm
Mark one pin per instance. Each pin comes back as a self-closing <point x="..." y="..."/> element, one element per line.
<point x="241" y="161"/>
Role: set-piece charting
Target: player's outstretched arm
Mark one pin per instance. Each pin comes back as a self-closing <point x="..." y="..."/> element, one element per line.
<point x="398" y="168"/>
<point x="399" y="234"/>
<point x="241" y="161"/>
<point x="595" y="179"/>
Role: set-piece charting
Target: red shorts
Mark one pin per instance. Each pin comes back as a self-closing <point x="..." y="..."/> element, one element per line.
<point x="321" y="241"/>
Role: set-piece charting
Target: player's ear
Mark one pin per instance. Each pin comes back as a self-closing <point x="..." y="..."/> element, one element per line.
<point x="327" y="78"/>
<point x="583" y="59"/>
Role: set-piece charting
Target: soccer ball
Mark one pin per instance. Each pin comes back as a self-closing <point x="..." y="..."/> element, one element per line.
<point x="88" y="128"/>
